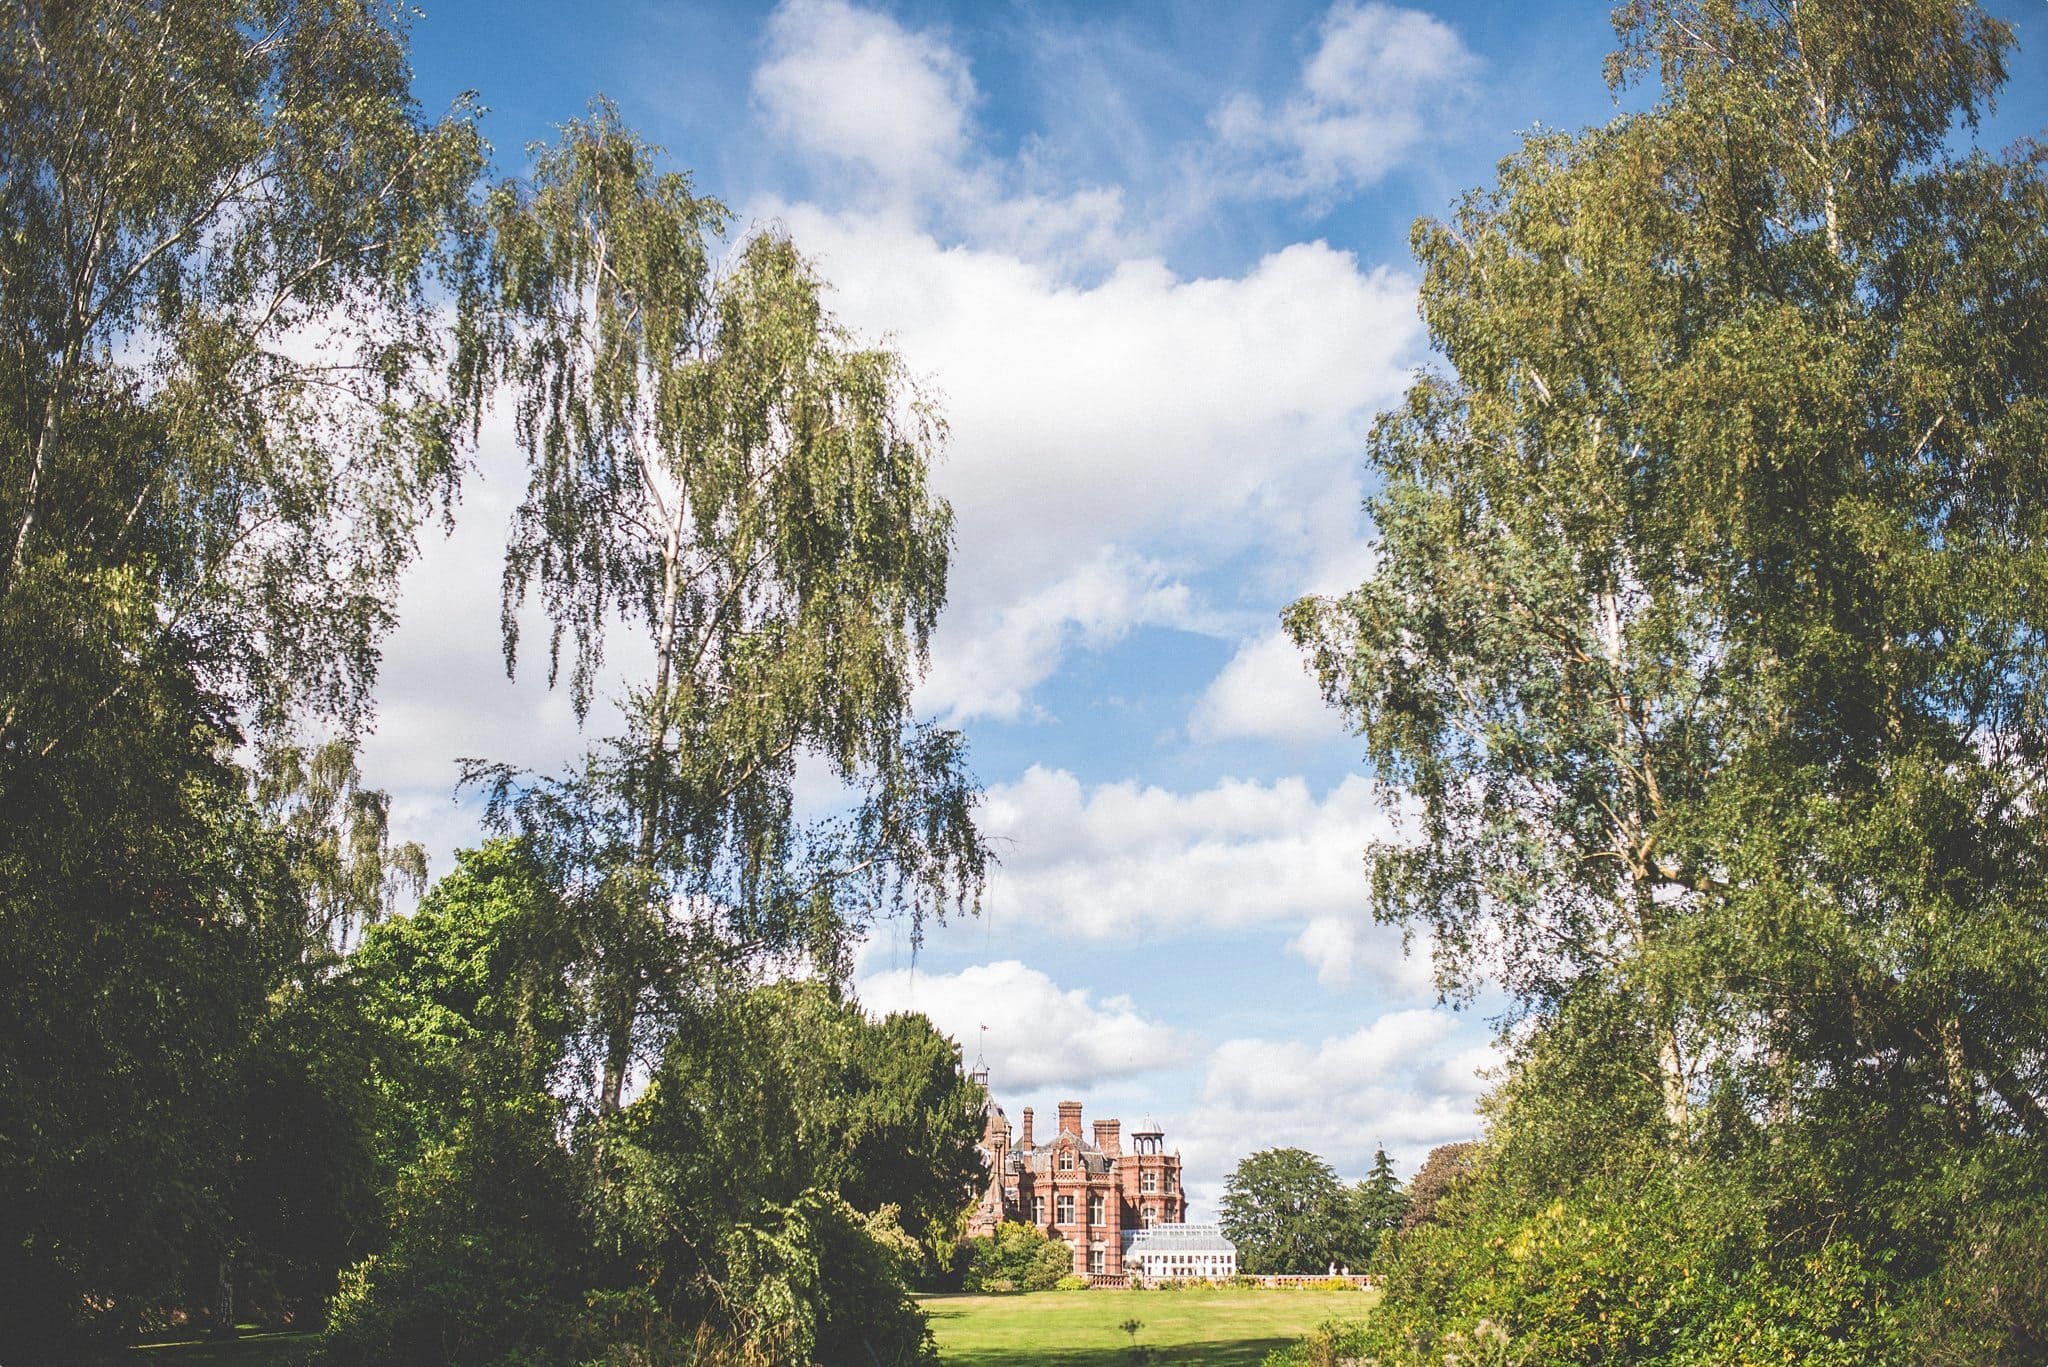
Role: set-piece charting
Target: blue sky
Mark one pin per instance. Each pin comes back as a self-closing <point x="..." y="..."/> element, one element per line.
<point x="1154" y="259"/>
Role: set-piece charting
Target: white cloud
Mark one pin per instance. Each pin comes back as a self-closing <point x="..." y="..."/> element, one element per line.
<point x="1267" y="693"/>
<point x="1117" y="857"/>
<point x="852" y="86"/>
<point x="853" y="90"/>
<point x="1039" y="1035"/>
<point x="1409" y="1080"/>
<point x="1213" y="414"/>
<point x="1090" y="422"/>
<point x="1022" y="643"/>
<point x="1381" y="79"/>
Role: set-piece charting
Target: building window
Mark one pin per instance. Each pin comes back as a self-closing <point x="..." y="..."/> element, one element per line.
<point x="1151" y="1216"/>
<point x="1148" y="1181"/>
<point x="1038" y="1210"/>
<point x="1095" y="1210"/>
<point x="1066" y="1160"/>
<point x="1063" y="1207"/>
<point x="1097" y="1260"/>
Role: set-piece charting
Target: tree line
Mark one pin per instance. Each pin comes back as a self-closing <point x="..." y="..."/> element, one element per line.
<point x="1704" y="642"/>
<point x="604" y="1097"/>
<point x="1287" y="1213"/>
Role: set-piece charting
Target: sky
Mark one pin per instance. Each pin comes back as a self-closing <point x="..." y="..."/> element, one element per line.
<point x="1153" y="261"/>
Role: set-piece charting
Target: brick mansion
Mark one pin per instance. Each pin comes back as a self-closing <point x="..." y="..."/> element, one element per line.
<point x="1092" y="1192"/>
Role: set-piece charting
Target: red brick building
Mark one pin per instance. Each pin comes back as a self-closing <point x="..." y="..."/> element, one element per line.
<point x="1089" y="1191"/>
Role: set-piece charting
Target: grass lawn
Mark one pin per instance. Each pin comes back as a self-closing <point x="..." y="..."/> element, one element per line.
<point x="1081" y="1328"/>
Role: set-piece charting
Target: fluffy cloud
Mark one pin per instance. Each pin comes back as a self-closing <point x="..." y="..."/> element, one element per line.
<point x="1118" y="857"/>
<point x="1380" y="79"/>
<point x="1039" y="1035"/>
<point x="851" y="86"/>
<point x="1214" y="415"/>
<point x="1266" y="693"/>
<point x="1408" y="1080"/>
<point x="1091" y="422"/>
<point x="1023" y="641"/>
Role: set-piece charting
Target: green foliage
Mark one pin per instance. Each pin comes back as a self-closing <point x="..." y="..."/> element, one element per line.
<point x="305" y="1191"/>
<point x="1287" y="1213"/>
<point x="820" y="1283"/>
<point x="339" y="836"/>
<point x="1988" y="1303"/>
<point x="1657" y="1265"/>
<point x="1337" y="1343"/>
<point x="1378" y="1205"/>
<point x="225" y="406"/>
<point x="193" y="195"/>
<point x="468" y="1001"/>
<point x="788" y="1088"/>
<point x="715" y="459"/>
<point x="769" y="1193"/>
<point x="488" y="1254"/>
<point x="1017" y="1257"/>
<point x="144" y="923"/>
<point x="1700" y="637"/>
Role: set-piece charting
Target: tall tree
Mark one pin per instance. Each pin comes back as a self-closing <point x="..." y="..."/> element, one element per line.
<point x="716" y="461"/>
<point x="1286" y="1212"/>
<point x="1378" y="1203"/>
<point x="1700" y="616"/>
<point x="1703" y="637"/>
<point x="226" y="403"/>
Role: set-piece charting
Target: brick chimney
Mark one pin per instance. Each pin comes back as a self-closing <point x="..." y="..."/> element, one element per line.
<point x="1070" y="1118"/>
<point x="1024" y="1142"/>
<point x="1107" y="1133"/>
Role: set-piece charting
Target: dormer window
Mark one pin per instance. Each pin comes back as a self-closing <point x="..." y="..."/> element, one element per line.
<point x="1066" y="1160"/>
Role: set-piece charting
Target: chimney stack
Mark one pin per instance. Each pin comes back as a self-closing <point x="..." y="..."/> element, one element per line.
<point x="1106" y="1135"/>
<point x="1025" y="1142"/>
<point x="1070" y="1118"/>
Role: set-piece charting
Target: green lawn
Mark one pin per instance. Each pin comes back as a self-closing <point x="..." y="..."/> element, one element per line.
<point x="1081" y="1328"/>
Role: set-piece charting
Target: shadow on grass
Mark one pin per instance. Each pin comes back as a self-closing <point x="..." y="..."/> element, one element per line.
<point x="256" y="1348"/>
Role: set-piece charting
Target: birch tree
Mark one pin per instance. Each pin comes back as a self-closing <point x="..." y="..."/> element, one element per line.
<point x="1703" y="629"/>
<point x="717" y="465"/>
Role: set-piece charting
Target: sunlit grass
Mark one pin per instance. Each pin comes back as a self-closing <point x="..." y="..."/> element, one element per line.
<point x="1215" y="1328"/>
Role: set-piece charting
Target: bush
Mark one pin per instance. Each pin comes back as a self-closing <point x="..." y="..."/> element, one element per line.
<point x="817" y="1282"/>
<point x="1070" y="1282"/>
<point x="1676" y="1266"/>
<point x="1988" y="1305"/>
<point x="1017" y="1257"/>
<point x="1335" y="1344"/>
<point x="485" y="1261"/>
